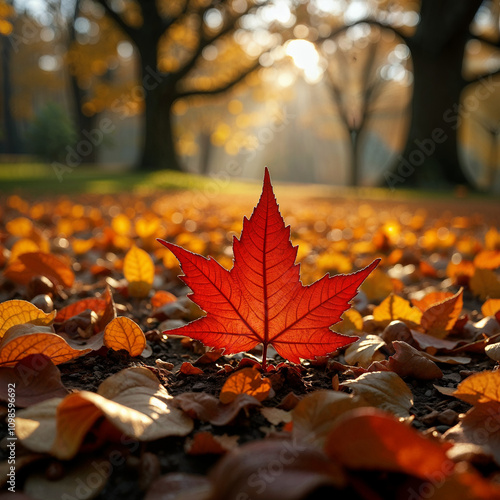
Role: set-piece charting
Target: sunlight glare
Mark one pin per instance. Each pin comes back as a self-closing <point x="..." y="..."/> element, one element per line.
<point x="305" y="57"/>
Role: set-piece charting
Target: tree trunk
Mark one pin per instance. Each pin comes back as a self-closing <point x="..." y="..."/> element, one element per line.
<point x="431" y="154"/>
<point x="158" y="148"/>
<point x="10" y="140"/>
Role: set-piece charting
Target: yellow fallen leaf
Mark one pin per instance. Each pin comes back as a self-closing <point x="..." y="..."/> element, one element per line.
<point x="139" y="270"/>
<point x="394" y="308"/>
<point x="124" y="333"/>
<point x="485" y="284"/>
<point x="480" y="388"/>
<point x="246" y="381"/>
<point x="19" y="312"/>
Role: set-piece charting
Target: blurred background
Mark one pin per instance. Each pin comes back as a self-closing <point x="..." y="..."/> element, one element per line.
<point x="398" y="94"/>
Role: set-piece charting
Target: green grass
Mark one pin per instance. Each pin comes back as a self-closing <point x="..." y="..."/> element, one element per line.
<point x="42" y="180"/>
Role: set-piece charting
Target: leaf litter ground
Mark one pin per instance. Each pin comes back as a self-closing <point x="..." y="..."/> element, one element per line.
<point x="417" y="243"/>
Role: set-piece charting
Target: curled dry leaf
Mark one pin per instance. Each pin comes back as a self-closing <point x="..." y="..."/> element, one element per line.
<point x="23" y="340"/>
<point x="394" y="308"/>
<point x="438" y="319"/>
<point x="208" y="408"/>
<point x="132" y="400"/>
<point x="246" y="472"/>
<point x="493" y="351"/>
<point x="364" y="351"/>
<point x="432" y="344"/>
<point x="370" y="439"/>
<point x="407" y="361"/>
<point x="431" y="299"/>
<point x="206" y="443"/>
<point x="246" y="381"/>
<point x="40" y="264"/>
<point x="35" y="378"/>
<point x="124" y="333"/>
<point x="315" y="414"/>
<point x="139" y="271"/>
<point x="19" y="312"/>
<point x="384" y="390"/>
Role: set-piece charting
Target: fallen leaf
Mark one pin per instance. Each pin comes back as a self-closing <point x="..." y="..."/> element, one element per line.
<point x="139" y="271"/>
<point x="315" y="414"/>
<point x="261" y="300"/>
<point x="33" y="264"/>
<point x="438" y="319"/>
<point x="249" y="471"/>
<point x="206" y="443"/>
<point x="35" y="379"/>
<point x="124" y="333"/>
<point x="369" y="439"/>
<point x="433" y="344"/>
<point x="493" y="351"/>
<point x="485" y="284"/>
<point x="246" y="381"/>
<point x="208" y="408"/>
<point x="394" y="308"/>
<point x="364" y="351"/>
<point x="180" y="486"/>
<point x="209" y="357"/>
<point x="487" y="259"/>
<point x="407" y="361"/>
<point x="66" y="313"/>
<point x="188" y="369"/>
<point x="132" y="400"/>
<point x="96" y="471"/>
<point x="276" y="416"/>
<point x="23" y="340"/>
<point x="480" y="388"/>
<point x="431" y="299"/>
<point x="384" y="390"/>
<point x="490" y="307"/>
<point x="352" y="322"/>
<point x="447" y="359"/>
<point x="161" y="297"/>
<point x="19" y="312"/>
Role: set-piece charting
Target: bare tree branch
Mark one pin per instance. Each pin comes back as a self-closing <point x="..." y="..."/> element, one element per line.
<point x="129" y="30"/>
<point x="223" y="88"/>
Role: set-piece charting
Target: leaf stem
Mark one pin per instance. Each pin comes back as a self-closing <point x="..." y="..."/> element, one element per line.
<point x="264" y="357"/>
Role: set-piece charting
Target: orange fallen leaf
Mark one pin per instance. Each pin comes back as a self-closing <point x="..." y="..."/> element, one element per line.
<point x="480" y="388"/>
<point x="22" y="340"/>
<point x="161" y="297"/>
<point x="246" y="381"/>
<point x="33" y="264"/>
<point x="369" y="439"/>
<point x="139" y="271"/>
<point x="22" y="246"/>
<point x="490" y="307"/>
<point x="209" y="357"/>
<point x="487" y="259"/>
<point x="206" y="443"/>
<point x="394" y="308"/>
<point x="94" y="304"/>
<point x="431" y="299"/>
<point x="438" y="319"/>
<point x="19" y="312"/>
<point x="124" y="333"/>
<point x="188" y="369"/>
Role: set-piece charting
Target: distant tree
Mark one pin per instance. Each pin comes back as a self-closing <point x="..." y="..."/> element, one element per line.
<point x="186" y="48"/>
<point x="436" y="33"/>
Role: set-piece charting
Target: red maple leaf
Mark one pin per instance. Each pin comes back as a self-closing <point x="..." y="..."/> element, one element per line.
<point x="261" y="299"/>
